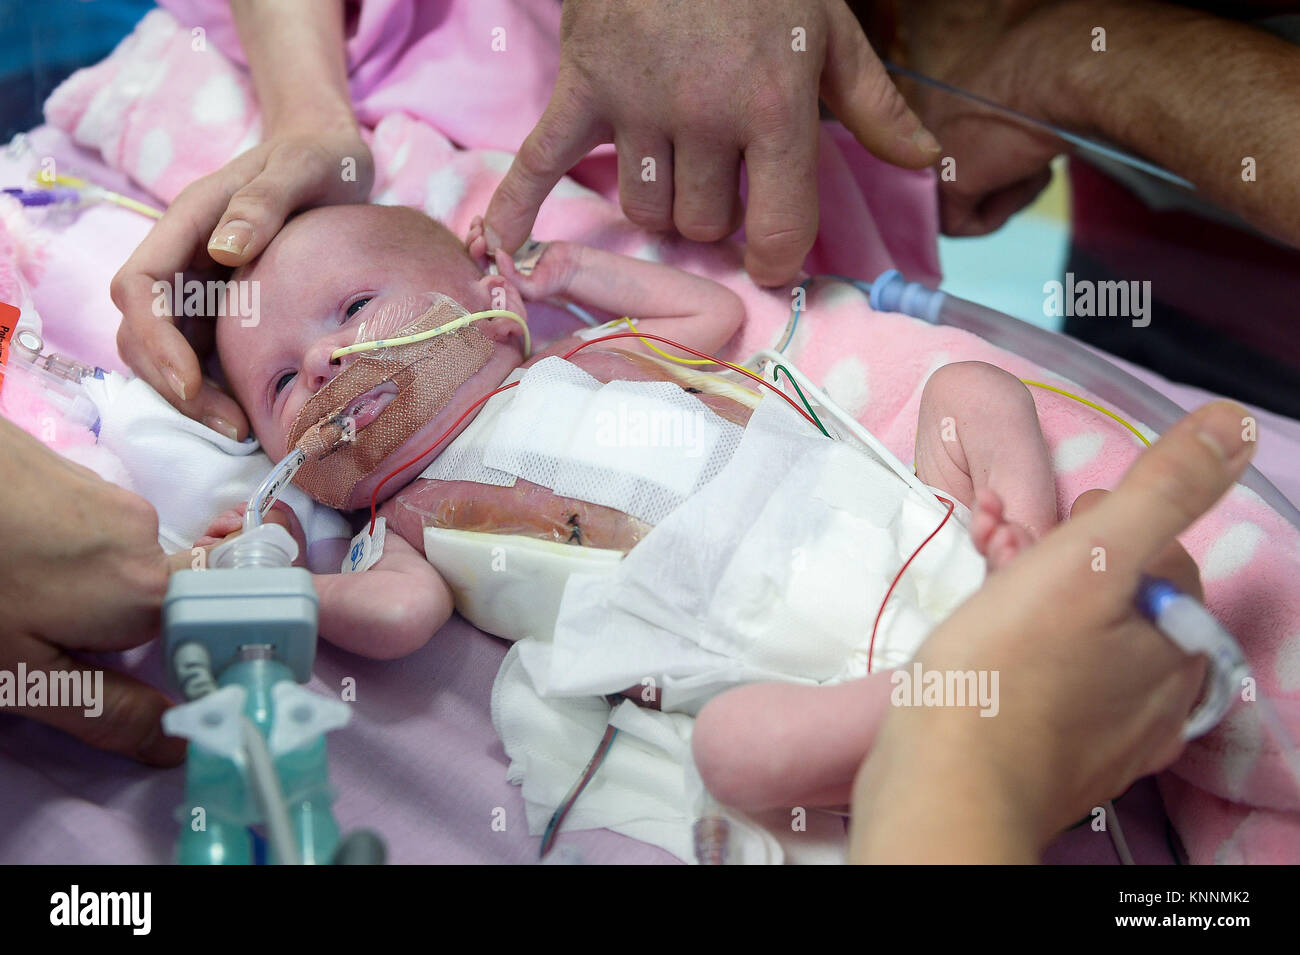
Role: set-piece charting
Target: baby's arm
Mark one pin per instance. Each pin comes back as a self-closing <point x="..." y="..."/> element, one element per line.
<point x="664" y="300"/>
<point x="388" y="611"/>
<point x="978" y="439"/>
<point x="383" y="613"/>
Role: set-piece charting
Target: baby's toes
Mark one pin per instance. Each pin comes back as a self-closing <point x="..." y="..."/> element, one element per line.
<point x="1005" y="545"/>
<point x="982" y="526"/>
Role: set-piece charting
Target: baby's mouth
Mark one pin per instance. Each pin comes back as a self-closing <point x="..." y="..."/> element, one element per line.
<point x="368" y="407"/>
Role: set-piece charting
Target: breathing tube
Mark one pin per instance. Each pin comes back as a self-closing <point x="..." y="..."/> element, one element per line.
<point x="1058" y="353"/>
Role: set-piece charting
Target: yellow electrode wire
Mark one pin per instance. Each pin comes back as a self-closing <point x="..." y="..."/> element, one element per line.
<point x="108" y="195"/>
<point x="654" y="348"/>
<point x="1037" y="384"/>
<point x="440" y="330"/>
<point x="683" y="361"/>
<point x="1095" y="407"/>
<point x="528" y="348"/>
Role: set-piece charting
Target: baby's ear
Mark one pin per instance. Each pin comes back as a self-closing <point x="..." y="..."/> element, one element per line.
<point x="498" y="292"/>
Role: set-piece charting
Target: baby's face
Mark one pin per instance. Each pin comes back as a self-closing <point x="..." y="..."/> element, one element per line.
<point x="324" y="274"/>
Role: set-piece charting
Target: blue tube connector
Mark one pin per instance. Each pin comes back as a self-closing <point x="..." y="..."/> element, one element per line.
<point x="890" y="292"/>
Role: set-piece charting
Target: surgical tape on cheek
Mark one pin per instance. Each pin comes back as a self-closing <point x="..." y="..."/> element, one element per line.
<point x="424" y="376"/>
<point x="641" y="447"/>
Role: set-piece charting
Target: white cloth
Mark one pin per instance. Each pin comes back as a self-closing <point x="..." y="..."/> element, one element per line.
<point x="187" y="471"/>
<point x="772" y="570"/>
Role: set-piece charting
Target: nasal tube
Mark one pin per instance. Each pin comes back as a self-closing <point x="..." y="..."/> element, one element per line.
<point x="890" y="292"/>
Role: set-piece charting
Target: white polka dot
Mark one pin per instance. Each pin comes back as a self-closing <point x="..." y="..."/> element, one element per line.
<point x="566" y="188"/>
<point x="154" y="157"/>
<point x="1241" y="733"/>
<point x="218" y="101"/>
<point x="649" y="253"/>
<point x="847" y="385"/>
<point x="1287" y="670"/>
<point x="399" y="158"/>
<point x="1076" y="452"/>
<point x="251" y="139"/>
<point x="444" y="189"/>
<point x="496" y="160"/>
<point x="1229" y="851"/>
<point x="388" y="197"/>
<point x="831" y="294"/>
<point x="937" y="361"/>
<point x="1232" y="551"/>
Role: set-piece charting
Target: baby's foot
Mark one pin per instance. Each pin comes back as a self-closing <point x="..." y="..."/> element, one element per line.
<point x="998" y="539"/>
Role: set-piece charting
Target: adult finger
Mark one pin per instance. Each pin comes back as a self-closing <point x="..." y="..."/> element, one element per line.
<point x="781" y="221"/>
<point x="257" y="210"/>
<point x="1173" y="563"/>
<point x="970" y="216"/>
<point x="142" y="290"/>
<point x="645" y="177"/>
<point x="160" y="354"/>
<point x="860" y="93"/>
<point x="567" y="131"/>
<point x="1173" y="484"/>
<point x="706" y="188"/>
<point x="123" y="717"/>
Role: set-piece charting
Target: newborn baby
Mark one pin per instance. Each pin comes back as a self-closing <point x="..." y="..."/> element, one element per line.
<point x="332" y="269"/>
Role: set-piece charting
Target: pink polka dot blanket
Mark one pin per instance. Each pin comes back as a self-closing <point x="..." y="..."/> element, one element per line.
<point x="174" y="103"/>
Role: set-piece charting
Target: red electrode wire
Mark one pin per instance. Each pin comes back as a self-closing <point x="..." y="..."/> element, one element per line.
<point x="871" y="647"/>
<point x="374" y="496"/>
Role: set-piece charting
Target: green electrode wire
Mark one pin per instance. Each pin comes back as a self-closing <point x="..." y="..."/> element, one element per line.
<point x="799" y="390"/>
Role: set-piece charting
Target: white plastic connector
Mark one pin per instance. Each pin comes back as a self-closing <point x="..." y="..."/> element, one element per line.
<point x="301" y="716"/>
<point x="266" y="545"/>
<point x="214" y="722"/>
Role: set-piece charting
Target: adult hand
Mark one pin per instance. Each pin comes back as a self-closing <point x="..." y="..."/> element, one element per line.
<point x="992" y="166"/>
<point x="1091" y="696"/>
<point x="695" y="89"/>
<point x="80" y="569"/>
<point x="227" y="219"/>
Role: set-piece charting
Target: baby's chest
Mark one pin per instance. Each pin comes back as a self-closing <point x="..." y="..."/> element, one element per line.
<point x="573" y="459"/>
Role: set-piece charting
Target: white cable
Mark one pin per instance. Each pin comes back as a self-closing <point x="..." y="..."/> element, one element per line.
<point x="1116" y="832"/>
<point x="267" y="786"/>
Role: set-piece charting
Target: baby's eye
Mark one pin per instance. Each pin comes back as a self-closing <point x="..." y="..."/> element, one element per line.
<point x="284" y="381"/>
<point x="357" y="306"/>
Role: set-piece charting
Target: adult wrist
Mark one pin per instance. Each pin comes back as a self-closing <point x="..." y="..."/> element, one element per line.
<point x="922" y="799"/>
<point x="310" y="116"/>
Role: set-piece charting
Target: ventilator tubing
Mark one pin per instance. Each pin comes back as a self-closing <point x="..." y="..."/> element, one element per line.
<point x="1059" y="354"/>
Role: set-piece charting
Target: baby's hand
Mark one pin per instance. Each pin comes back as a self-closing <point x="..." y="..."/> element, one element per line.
<point x="539" y="270"/>
<point x="231" y="524"/>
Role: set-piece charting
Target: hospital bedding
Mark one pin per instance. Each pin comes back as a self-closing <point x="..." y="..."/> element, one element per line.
<point x="420" y="762"/>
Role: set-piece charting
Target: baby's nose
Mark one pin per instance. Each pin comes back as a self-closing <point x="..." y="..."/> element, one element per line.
<point x="321" y="367"/>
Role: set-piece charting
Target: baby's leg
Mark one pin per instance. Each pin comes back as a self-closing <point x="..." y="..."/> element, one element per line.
<point x="768" y="745"/>
<point x="978" y="439"/>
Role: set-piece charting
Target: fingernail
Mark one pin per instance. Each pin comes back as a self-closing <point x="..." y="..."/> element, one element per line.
<point x="493" y="238"/>
<point x="176" y="381"/>
<point x="222" y="426"/>
<point x="233" y="237"/>
<point x="925" y="140"/>
<point x="1229" y="432"/>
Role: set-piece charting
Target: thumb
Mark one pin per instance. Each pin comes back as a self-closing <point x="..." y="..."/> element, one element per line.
<point x="1173" y="484"/>
<point x="860" y="93"/>
<point x="256" y="213"/>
